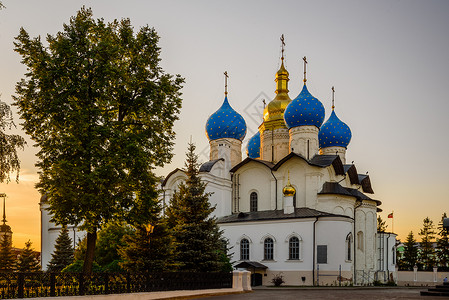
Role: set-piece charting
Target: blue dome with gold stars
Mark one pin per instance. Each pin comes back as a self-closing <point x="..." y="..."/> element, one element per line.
<point x="225" y="123"/>
<point x="334" y="133"/>
<point x="253" y="147"/>
<point x="304" y="110"/>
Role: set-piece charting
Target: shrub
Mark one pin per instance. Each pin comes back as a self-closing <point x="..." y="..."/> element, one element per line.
<point x="277" y="279"/>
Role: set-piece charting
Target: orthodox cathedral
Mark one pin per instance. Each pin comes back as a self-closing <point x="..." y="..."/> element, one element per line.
<point x="293" y="206"/>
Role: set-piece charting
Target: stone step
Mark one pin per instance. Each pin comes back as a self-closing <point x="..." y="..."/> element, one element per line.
<point x="439" y="289"/>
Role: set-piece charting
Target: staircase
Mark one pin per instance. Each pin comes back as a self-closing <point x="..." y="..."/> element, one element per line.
<point x="439" y="290"/>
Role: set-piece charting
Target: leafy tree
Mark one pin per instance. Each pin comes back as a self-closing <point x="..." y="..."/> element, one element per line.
<point x="427" y="254"/>
<point x="101" y="111"/>
<point x="110" y="239"/>
<point x="443" y="245"/>
<point x="28" y="260"/>
<point x="148" y="249"/>
<point x="198" y="241"/>
<point x="381" y="227"/>
<point x="9" y="144"/>
<point x="63" y="254"/>
<point x="7" y="256"/>
<point x="410" y="252"/>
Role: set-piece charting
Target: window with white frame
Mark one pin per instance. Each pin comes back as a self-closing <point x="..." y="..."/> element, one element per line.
<point x="244" y="249"/>
<point x="268" y="249"/>
<point x="293" y="248"/>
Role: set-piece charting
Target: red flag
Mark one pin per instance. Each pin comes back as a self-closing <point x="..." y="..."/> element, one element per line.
<point x="390" y="215"/>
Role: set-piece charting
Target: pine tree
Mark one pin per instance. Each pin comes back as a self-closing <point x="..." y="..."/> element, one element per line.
<point x="7" y="256"/>
<point x="381" y="227"/>
<point x="427" y="254"/>
<point x="410" y="252"/>
<point x="443" y="245"/>
<point x="63" y="254"/>
<point x="150" y="248"/>
<point x="198" y="240"/>
<point x="28" y="260"/>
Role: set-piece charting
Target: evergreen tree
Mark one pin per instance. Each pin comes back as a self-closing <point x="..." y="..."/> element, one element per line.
<point x="63" y="254"/>
<point x="28" y="260"/>
<point x="150" y="248"/>
<point x="443" y="245"/>
<point x="427" y="253"/>
<point x="381" y="227"/>
<point x="410" y="252"/>
<point x="7" y="256"/>
<point x="198" y="241"/>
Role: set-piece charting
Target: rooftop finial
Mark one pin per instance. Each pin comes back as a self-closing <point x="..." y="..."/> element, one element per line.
<point x="282" y="47"/>
<point x="333" y="95"/>
<point x="4" y="211"/>
<point x="226" y="82"/>
<point x="305" y="63"/>
<point x="288" y="177"/>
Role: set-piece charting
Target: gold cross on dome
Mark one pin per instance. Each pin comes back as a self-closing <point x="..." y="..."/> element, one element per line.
<point x="226" y="82"/>
<point x="305" y="63"/>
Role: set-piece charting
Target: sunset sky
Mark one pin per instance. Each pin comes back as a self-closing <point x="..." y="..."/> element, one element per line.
<point x="388" y="61"/>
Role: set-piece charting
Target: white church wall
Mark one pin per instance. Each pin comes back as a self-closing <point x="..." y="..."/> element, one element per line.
<point x="255" y="177"/>
<point x="221" y="190"/>
<point x="49" y="234"/>
<point x="330" y="202"/>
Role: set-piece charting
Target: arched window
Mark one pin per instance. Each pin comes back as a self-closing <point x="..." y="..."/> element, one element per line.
<point x="348" y="246"/>
<point x="253" y="202"/>
<point x="244" y="249"/>
<point x="360" y="240"/>
<point x="268" y="249"/>
<point x="293" y="248"/>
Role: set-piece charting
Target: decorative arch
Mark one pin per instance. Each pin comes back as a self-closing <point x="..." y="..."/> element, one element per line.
<point x="268" y="235"/>
<point x="244" y="236"/>
<point x="360" y="241"/>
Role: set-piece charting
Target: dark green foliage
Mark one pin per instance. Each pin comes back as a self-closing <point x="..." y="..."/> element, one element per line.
<point x="109" y="240"/>
<point x="63" y="254"/>
<point x="77" y="267"/>
<point x="381" y="227"/>
<point x="7" y="256"/>
<point x="101" y="111"/>
<point x="410" y="253"/>
<point x="28" y="261"/>
<point x="443" y="245"/>
<point x="198" y="245"/>
<point x="427" y="253"/>
<point x="9" y="144"/>
<point x="149" y="249"/>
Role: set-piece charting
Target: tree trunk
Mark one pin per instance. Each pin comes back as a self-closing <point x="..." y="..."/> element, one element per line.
<point x="90" y="252"/>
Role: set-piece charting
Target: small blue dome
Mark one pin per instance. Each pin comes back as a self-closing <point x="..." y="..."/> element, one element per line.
<point x="304" y="110"/>
<point x="253" y="147"/>
<point x="334" y="133"/>
<point x="225" y="123"/>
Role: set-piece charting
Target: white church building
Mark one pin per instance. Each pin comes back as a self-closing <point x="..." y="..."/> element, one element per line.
<point x="293" y="206"/>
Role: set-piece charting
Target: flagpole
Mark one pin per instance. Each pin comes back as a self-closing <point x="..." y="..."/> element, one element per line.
<point x="392" y="222"/>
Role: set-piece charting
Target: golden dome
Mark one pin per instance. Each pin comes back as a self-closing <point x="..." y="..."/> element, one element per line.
<point x="275" y="109"/>
<point x="289" y="190"/>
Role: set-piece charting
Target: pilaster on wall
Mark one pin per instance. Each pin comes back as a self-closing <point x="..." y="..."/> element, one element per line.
<point x="340" y="151"/>
<point x="228" y="149"/>
<point x="274" y="144"/>
<point x="304" y="141"/>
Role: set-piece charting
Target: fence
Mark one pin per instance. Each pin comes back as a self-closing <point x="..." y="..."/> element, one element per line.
<point x="27" y="285"/>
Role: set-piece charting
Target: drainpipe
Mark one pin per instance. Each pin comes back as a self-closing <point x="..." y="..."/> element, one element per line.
<point x="358" y="203"/>
<point x="276" y="195"/>
<point x="314" y="251"/>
